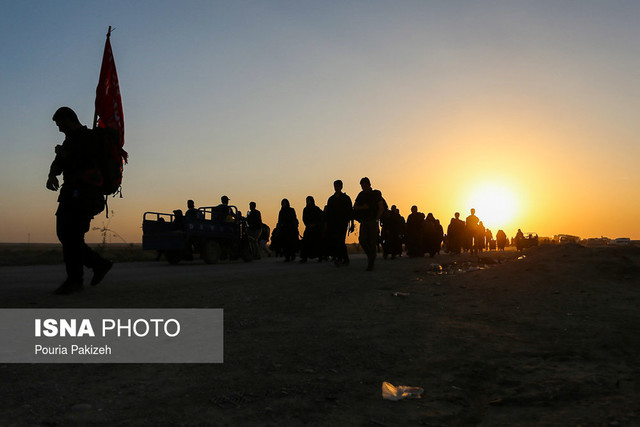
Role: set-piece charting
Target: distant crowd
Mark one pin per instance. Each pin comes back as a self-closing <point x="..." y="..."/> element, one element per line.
<point x="381" y="226"/>
<point x="90" y="162"/>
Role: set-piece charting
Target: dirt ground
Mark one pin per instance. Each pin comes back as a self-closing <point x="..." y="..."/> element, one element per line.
<point x="549" y="339"/>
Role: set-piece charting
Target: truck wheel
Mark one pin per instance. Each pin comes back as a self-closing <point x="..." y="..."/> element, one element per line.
<point x="211" y="252"/>
<point x="173" y="257"/>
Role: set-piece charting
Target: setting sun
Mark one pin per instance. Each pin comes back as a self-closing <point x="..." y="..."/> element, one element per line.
<point x="495" y="205"/>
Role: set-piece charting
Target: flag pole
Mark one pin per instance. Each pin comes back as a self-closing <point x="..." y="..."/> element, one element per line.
<point x="95" y="112"/>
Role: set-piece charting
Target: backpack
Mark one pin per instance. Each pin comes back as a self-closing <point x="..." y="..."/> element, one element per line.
<point x="361" y="215"/>
<point x="111" y="159"/>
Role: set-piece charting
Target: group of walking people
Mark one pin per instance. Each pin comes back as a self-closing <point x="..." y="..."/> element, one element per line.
<point x="326" y="229"/>
<point x="423" y="234"/>
<point x="472" y="236"/>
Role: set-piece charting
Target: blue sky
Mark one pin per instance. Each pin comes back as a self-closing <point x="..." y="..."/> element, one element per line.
<point x="264" y="100"/>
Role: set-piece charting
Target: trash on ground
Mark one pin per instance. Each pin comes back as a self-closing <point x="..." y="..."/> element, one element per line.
<point x="391" y="392"/>
<point x="435" y="267"/>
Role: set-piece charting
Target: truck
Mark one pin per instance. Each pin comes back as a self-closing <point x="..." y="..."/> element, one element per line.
<point x="564" y="239"/>
<point x="528" y="241"/>
<point x="214" y="233"/>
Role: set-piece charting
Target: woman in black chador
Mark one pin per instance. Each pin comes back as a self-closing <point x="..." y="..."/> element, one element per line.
<point x="501" y="237"/>
<point x="393" y="230"/>
<point x="433" y="234"/>
<point x="415" y="233"/>
<point x="288" y="231"/>
<point x="313" y="219"/>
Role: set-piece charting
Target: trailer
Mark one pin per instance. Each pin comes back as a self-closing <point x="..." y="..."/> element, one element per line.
<point x="530" y="240"/>
<point x="214" y="233"/>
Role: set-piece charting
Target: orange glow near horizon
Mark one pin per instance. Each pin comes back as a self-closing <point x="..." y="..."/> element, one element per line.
<point x="517" y="170"/>
<point x="495" y="204"/>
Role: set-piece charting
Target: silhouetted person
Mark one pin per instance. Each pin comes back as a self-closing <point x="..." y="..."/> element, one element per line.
<point x="254" y="228"/>
<point x="190" y="215"/>
<point x="313" y="220"/>
<point x="432" y="235"/>
<point x="518" y="239"/>
<point x="415" y="233"/>
<point x="264" y="238"/>
<point x="455" y="234"/>
<point x="192" y="212"/>
<point x="393" y="229"/>
<point x="440" y="235"/>
<point x="501" y="240"/>
<point x="288" y="231"/>
<point x="79" y="201"/>
<point x="402" y="227"/>
<point x="224" y="213"/>
<point x="471" y="226"/>
<point x="339" y="219"/>
<point x="488" y="238"/>
<point x="368" y="209"/>
<point x="479" y="243"/>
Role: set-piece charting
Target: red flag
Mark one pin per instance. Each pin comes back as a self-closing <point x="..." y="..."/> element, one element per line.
<point x="108" y="107"/>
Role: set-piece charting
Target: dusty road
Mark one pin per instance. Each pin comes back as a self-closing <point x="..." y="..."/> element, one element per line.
<point x="551" y="339"/>
<point x="27" y="286"/>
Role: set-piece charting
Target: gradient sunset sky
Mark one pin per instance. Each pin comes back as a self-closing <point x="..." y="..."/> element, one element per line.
<point x="528" y="106"/>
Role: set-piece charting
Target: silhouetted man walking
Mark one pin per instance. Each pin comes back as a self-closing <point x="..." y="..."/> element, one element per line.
<point x="254" y="228"/>
<point x="339" y="216"/>
<point x="368" y="209"/>
<point x="79" y="201"/>
<point x="471" y="226"/>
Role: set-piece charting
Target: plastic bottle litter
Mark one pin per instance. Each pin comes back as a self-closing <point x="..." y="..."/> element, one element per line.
<point x="435" y="267"/>
<point x="401" y="294"/>
<point x="391" y="392"/>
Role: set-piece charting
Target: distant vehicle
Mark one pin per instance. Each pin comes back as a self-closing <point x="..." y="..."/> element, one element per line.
<point x="621" y="241"/>
<point x="529" y="240"/>
<point x="566" y="238"/>
<point x="594" y="241"/>
<point x="215" y="233"/>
